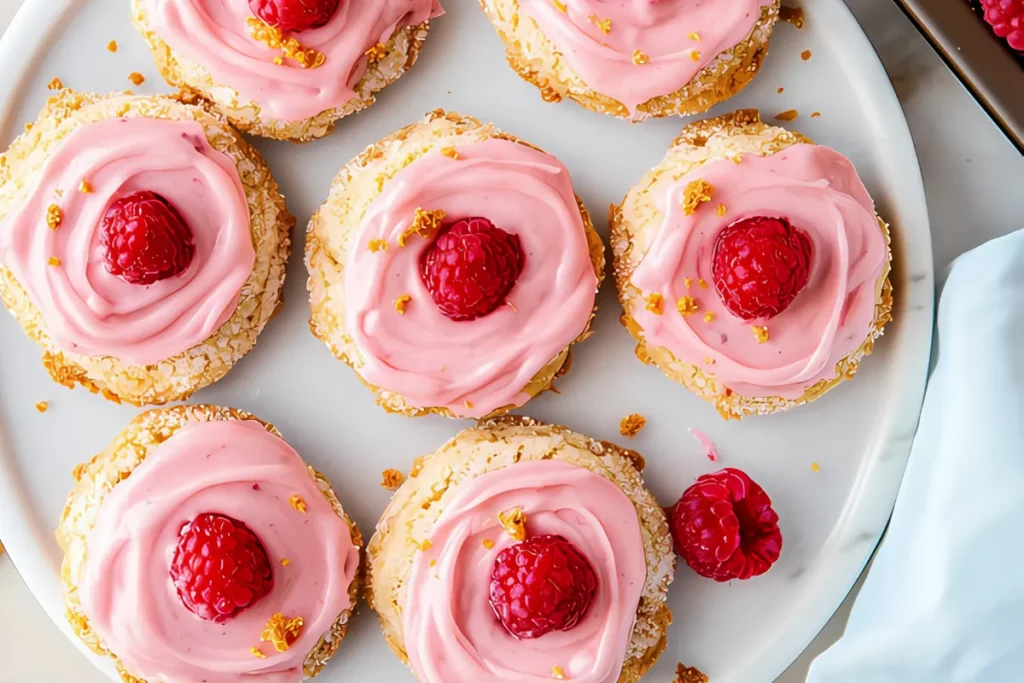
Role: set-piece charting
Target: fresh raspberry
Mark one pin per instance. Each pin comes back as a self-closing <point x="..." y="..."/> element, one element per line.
<point x="294" y="15"/>
<point x="759" y="266"/>
<point x="471" y="267"/>
<point x="219" y="567"/>
<point x="1006" y="17"/>
<point x="541" y="585"/>
<point x="725" y="528"/>
<point x="145" y="239"/>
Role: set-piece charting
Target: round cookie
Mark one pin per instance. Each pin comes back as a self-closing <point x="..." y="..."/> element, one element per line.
<point x="456" y="189"/>
<point x="120" y="529"/>
<point x="287" y="85"/>
<point x="139" y="336"/>
<point x="437" y="541"/>
<point x="636" y="59"/>
<point x="809" y="242"/>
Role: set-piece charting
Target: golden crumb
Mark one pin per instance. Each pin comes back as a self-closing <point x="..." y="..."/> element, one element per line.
<point x="688" y="674"/>
<point x="377" y="52"/>
<point x="792" y="15"/>
<point x="780" y="90"/>
<point x="42" y="406"/>
<point x="54" y="216"/>
<point x="687" y="305"/>
<point x="278" y="60"/>
<point x="560" y="6"/>
<point x="424" y="223"/>
<point x="604" y="25"/>
<point x="721" y="210"/>
<point x="688" y="282"/>
<point x="426" y="544"/>
<point x="136" y="78"/>
<point x="696" y="193"/>
<point x="468" y="404"/>
<point x="433" y="563"/>
<point x="788" y="115"/>
<point x="487" y="543"/>
<point x="514" y="523"/>
<point x="702" y="283"/>
<point x="695" y="55"/>
<point x="53" y="261"/>
<point x="815" y="467"/>
<point x="695" y="37"/>
<point x="272" y="37"/>
<point x="760" y="333"/>
<point x="631" y="425"/>
<point x="257" y="653"/>
<point x="376" y="245"/>
<point x="655" y="303"/>
<point x="285" y="562"/>
<point x="380" y="182"/>
<point x="298" y="503"/>
<point x="639" y="57"/>
<point x="815" y="114"/>
<point x="805" y="55"/>
<point x="84" y="187"/>
<point x="391" y="479"/>
<point x="28" y="126"/>
<point x="112" y="46"/>
<point x="281" y="631"/>
<point x="709" y="316"/>
<point x="557" y="673"/>
<point x="450" y="152"/>
<point x="55" y="84"/>
<point x="400" y="303"/>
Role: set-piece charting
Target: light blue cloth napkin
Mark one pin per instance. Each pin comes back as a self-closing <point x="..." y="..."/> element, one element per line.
<point x="944" y="601"/>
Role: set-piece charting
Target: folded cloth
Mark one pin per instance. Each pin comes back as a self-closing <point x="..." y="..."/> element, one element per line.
<point x="944" y="601"/>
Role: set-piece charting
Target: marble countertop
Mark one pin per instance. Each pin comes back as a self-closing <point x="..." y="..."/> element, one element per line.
<point x="973" y="178"/>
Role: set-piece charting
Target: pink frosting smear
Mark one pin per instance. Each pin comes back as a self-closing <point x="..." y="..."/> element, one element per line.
<point x="470" y="367"/>
<point x="214" y="466"/>
<point x="87" y="310"/>
<point x="661" y="29"/>
<point x="451" y="633"/>
<point x="818" y="191"/>
<point x="215" y="35"/>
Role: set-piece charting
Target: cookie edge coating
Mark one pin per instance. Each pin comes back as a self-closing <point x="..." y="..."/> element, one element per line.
<point x="533" y="56"/>
<point x="730" y="405"/>
<point x="196" y="83"/>
<point x="418" y="503"/>
<point x="97" y="477"/>
<point x="177" y="377"/>
<point x="379" y="159"/>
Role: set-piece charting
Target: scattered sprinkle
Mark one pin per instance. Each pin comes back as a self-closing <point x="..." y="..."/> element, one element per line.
<point x="792" y="15"/>
<point x="400" y="303"/>
<point x="55" y="84"/>
<point x="54" y="216"/>
<point x="433" y="563"/>
<point x="272" y="37"/>
<point x="702" y="283"/>
<point x="639" y="57"/>
<point x="391" y="479"/>
<point x="136" y="78"/>
<point x="788" y="115"/>
<point x="28" y="127"/>
<point x="630" y="425"/>
<point x="377" y="52"/>
<point x="376" y="245"/>
<point x="687" y="305"/>
<point x="468" y="404"/>
<point x="487" y="543"/>
<point x="805" y="55"/>
<point x="705" y="441"/>
<point x="254" y="650"/>
<point x="815" y="114"/>
<point x="815" y="467"/>
<point x="424" y="223"/>
<point x="695" y="55"/>
<point x="781" y="90"/>
<point x="53" y="261"/>
<point x="655" y="303"/>
<point x="721" y="210"/>
<point x="688" y="282"/>
<point x="450" y="152"/>
<point x="709" y="316"/>
<point x="604" y="25"/>
<point x="112" y="46"/>
<point x="285" y="562"/>
<point x="557" y="673"/>
<point x="296" y="502"/>
<point x="708" y="360"/>
<point x="281" y="631"/>
<point x="278" y="60"/>
<point x="688" y="674"/>
<point x="695" y="37"/>
<point x="560" y="6"/>
<point x="696" y="193"/>
<point x="84" y="187"/>
<point x="43" y="406"/>
<point x="426" y="544"/>
<point x="760" y="333"/>
<point x="514" y="522"/>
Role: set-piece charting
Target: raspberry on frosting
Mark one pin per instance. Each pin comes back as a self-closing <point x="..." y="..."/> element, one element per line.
<point x="294" y="15"/>
<point x="145" y="239"/>
<point x="541" y="585"/>
<point x="724" y="527"/>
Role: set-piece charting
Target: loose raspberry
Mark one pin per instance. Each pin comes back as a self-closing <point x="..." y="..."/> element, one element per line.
<point x="541" y="585"/>
<point x="219" y="567"/>
<point x="725" y="528"/>
<point x="1006" y="17"/>
<point x="471" y="267"/>
<point x="145" y="239"/>
<point x="759" y="266"/>
<point x="294" y="15"/>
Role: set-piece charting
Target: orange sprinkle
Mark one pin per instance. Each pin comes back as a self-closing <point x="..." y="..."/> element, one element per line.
<point x="55" y="84"/>
<point x="695" y="55"/>
<point x="560" y="6"/>
<point x="376" y="245"/>
<point x="298" y="503"/>
<point x="514" y="523"/>
<point x="377" y="52"/>
<point x="42" y="406"/>
<point x="709" y="316"/>
<point x="688" y="282"/>
<point x="631" y="425"/>
<point x="391" y="479"/>
<point x="281" y="631"/>
<point x="488" y="543"/>
<point x="112" y="46"/>
<point x="136" y="78"/>
<point x="697" y="192"/>
<point x="254" y="650"/>
<point x="761" y="333"/>
<point x="639" y="58"/>
<point x="426" y="545"/>
<point x="54" y="216"/>
<point x="815" y="467"/>
<point x="695" y="37"/>
<point x="450" y="152"/>
<point x="400" y="303"/>
<point x="805" y="55"/>
<point x="433" y="563"/>
<point x="702" y="283"/>
<point x="285" y="562"/>
<point x="424" y="223"/>
<point x="721" y="210"/>
<point x="53" y="261"/>
<point x="557" y="673"/>
<point x="604" y="25"/>
<point x="788" y="115"/>
<point x="687" y="305"/>
<point x="815" y="114"/>
<point x="85" y="187"/>
<point x="655" y="303"/>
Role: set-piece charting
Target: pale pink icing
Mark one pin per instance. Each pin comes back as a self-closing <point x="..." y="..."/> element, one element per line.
<point x="450" y="631"/>
<point x="707" y="443"/>
<point x="214" y="34"/>
<point x="819" y="192"/>
<point x="87" y="310"/>
<point x="659" y="28"/>
<point x="470" y="367"/>
<point x="238" y="469"/>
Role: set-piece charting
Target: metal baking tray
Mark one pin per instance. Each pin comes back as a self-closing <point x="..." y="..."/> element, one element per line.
<point x="986" y="66"/>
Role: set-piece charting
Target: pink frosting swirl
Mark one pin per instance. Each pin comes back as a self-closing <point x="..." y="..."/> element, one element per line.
<point x="471" y="367"/>
<point x="450" y="631"/>
<point x="663" y="30"/>
<point x="87" y="310"/>
<point x="235" y="468"/>
<point x="214" y="34"/>
<point x="818" y="191"/>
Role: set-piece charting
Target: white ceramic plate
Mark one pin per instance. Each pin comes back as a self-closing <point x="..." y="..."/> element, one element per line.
<point x="860" y="433"/>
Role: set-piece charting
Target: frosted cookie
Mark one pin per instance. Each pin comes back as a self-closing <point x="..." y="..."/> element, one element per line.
<point x="200" y="547"/>
<point x="452" y="267"/>
<point x="142" y="244"/>
<point x="636" y="58"/>
<point x="285" y="69"/>
<point x="523" y="552"/>
<point x="752" y="266"/>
